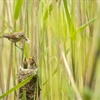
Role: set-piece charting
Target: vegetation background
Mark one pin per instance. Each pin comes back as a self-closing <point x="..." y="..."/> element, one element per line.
<point x="65" y="42"/>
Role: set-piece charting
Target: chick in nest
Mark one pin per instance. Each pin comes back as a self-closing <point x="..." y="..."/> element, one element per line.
<point x="25" y="64"/>
<point x="32" y="63"/>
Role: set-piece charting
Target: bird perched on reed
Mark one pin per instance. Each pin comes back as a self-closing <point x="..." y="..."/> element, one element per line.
<point x="32" y="63"/>
<point x="16" y="37"/>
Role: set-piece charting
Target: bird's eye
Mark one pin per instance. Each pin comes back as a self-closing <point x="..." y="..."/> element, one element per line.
<point x="22" y="34"/>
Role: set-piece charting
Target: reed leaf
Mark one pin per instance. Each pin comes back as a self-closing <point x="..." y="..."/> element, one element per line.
<point x="17" y="86"/>
<point x="18" y="9"/>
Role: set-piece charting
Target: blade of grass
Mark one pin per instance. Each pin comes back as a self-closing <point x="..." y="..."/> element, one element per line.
<point x="86" y="24"/>
<point x="48" y="11"/>
<point x="81" y="28"/>
<point x="5" y="22"/>
<point x="54" y="72"/>
<point x="47" y="49"/>
<point x="67" y="88"/>
<point x="17" y="9"/>
<point x="17" y="86"/>
<point x="24" y="95"/>
<point x="71" y="30"/>
<point x="70" y="25"/>
<point x="71" y="77"/>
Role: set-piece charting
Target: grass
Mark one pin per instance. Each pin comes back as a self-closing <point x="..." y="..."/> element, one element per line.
<point x="64" y="41"/>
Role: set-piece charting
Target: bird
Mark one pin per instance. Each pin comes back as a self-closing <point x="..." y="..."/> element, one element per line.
<point x="32" y="63"/>
<point x="16" y="37"/>
<point x="25" y="64"/>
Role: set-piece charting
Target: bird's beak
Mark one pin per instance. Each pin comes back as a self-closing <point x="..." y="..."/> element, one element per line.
<point x="24" y="38"/>
<point x="27" y="40"/>
<point x="30" y="58"/>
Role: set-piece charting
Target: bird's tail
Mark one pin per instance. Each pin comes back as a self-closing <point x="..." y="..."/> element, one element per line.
<point x="5" y="36"/>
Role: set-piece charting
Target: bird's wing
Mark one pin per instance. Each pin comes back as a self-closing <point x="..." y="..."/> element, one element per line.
<point x="9" y="36"/>
<point x="13" y="35"/>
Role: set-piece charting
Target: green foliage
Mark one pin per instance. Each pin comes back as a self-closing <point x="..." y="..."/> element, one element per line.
<point x="81" y="28"/>
<point x="24" y="95"/>
<point x="54" y="72"/>
<point x="47" y="49"/>
<point x="18" y="9"/>
<point x="66" y="88"/>
<point x="17" y="86"/>
<point x="48" y="11"/>
<point x="63" y="25"/>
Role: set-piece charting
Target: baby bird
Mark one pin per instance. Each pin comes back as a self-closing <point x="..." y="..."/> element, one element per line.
<point x="32" y="63"/>
<point x="25" y="64"/>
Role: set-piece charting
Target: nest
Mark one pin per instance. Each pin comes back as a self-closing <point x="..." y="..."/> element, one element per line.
<point x="31" y="87"/>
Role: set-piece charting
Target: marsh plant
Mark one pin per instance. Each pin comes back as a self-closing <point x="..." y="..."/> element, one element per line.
<point x="64" y="41"/>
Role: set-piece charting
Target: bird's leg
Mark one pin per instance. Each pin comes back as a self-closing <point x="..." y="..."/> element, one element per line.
<point x="18" y="47"/>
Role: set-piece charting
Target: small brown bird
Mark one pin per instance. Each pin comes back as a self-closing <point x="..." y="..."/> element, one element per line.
<point x="32" y="62"/>
<point x="16" y="37"/>
<point x="25" y="63"/>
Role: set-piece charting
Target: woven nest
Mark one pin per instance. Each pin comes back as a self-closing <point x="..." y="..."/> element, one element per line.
<point x="31" y="87"/>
